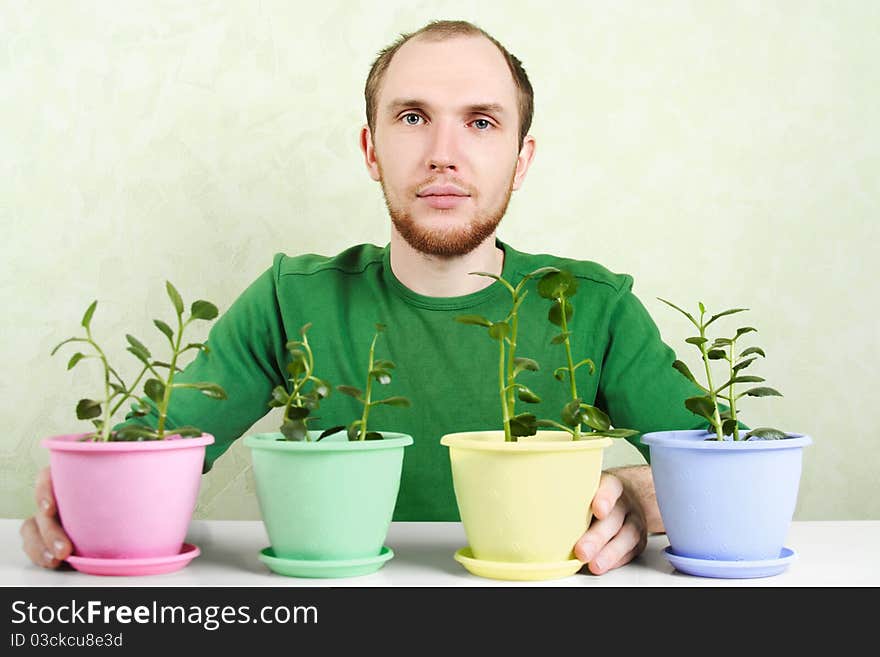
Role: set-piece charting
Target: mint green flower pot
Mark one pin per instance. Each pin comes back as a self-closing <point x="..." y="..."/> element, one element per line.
<point x="327" y="502"/>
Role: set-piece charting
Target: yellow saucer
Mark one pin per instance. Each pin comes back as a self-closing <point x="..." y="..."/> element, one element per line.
<point x="521" y="572"/>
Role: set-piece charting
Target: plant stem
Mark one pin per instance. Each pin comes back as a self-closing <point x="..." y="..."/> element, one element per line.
<point x="732" y="397"/>
<point x="511" y="379"/>
<point x="369" y="390"/>
<point x="505" y="411"/>
<point x="128" y="391"/>
<point x="163" y="407"/>
<point x="576" y="433"/>
<point x="105" y="426"/>
<point x="716" y="421"/>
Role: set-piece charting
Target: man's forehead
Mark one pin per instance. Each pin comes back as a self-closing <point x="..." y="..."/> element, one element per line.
<point x="460" y="71"/>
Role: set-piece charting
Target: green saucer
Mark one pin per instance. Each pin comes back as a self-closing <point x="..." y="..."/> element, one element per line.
<point x="330" y="568"/>
<point x="522" y="572"/>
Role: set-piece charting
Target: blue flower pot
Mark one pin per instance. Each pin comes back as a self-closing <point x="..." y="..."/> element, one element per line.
<point x="725" y="500"/>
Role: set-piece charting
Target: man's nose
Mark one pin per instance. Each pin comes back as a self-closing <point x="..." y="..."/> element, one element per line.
<point x="442" y="153"/>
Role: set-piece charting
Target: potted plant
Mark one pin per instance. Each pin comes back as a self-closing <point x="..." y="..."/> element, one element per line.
<point x="726" y="496"/>
<point x="524" y="495"/>
<point x="327" y="497"/>
<point x="126" y="495"/>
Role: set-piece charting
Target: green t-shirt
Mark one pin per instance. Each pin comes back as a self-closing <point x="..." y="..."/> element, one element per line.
<point x="447" y="369"/>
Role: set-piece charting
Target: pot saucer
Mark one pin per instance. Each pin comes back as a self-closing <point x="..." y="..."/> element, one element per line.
<point x="136" y="566"/>
<point x="325" y="568"/>
<point x="731" y="569"/>
<point x="517" y="571"/>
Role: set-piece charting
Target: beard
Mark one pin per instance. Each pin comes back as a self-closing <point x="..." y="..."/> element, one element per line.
<point x="452" y="240"/>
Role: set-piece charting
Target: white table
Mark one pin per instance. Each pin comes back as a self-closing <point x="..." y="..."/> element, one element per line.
<point x="829" y="553"/>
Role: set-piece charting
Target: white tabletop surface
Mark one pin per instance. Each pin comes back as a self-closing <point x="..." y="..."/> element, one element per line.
<point x="829" y="553"/>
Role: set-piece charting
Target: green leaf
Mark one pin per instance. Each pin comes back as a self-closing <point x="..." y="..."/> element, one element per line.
<point x="174" y="295"/>
<point x="571" y="413"/>
<point x="741" y="379"/>
<point x="297" y="413"/>
<point x="716" y="354"/>
<point x="136" y="433"/>
<point x="162" y="326"/>
<point x="202" y="309"/>
<point x="211" y="390"/>
<point x="721" y="342"/>
<point x="294" y="430"/>
<point x="279" y="397"/>
<point x="295" y="368"/>
<point x="555" y="314"/>
<point x="138" y="347"/>
<point x="322" y="388"/>
<point x="393" y="401"/>
<point x="760" y="392"/>
<point x="187" y="431"/>
<point x="697" y="340"/>
<point x="683" y="312"/>
<point x="683" y="369"/>
<point x="476" y="320"/>
<point x="728" y="426"/>
<point x="499" y="330"/>
<point x="743" y="331"/>
<point x="74" y="360"/>
<point x="161" y="363"/>
<point x="725" y="313"/>
<point x="559" y="339"/>
<point x="595" y="418"/>
<point x="383" y="364"/>
<point x="559" y="373"/>
<point x="527" y="395"/>
<point x="521" y="364"/>
<point x="612" y="433"/>
<point x="382" y="376"/>
<point x="351" y="391"/>
<point x="87" y="317"/>
<point x="155" y="390"/>
<point x="354" y="429"/>
<point x="524" y="424"/>
<point x="330" y="432"/>
<point x="767" y="433"/>
<point x="496" y="277"/>
<point x="557" y="284"/>
<point x="702" y="406"/>
<point x="753" y="350"/>
<point x="702" y="307"/>
<point x="86" y="409"/>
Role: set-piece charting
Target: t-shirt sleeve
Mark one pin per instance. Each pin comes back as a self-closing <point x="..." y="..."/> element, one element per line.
<point x="638" y="387"/>
<point x="246" y="357"/>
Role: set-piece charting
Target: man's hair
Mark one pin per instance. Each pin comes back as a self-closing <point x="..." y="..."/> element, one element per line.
<point x="440" y="31"/>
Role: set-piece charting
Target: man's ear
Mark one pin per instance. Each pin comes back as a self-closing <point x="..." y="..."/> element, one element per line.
<point x="369" y="153"/>
<point x="523" y="161"/>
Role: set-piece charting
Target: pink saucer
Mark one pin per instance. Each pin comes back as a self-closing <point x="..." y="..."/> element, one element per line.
<point x="130" y="567"/>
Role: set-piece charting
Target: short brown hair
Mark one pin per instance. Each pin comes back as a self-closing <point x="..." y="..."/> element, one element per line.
<point x="439" y="31"/>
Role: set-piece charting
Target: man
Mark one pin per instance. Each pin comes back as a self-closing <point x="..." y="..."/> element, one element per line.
<point x="448" y="114"/>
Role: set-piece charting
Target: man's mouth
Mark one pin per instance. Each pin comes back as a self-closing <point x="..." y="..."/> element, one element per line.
<point x="443" y="197"/>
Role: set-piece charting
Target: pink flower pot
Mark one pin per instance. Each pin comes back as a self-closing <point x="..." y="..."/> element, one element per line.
<point x="126" y="500"/>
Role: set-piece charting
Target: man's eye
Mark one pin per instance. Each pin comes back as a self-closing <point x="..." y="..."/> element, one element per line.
<point x="412" y="119"/>
<point x="482" y="124"/>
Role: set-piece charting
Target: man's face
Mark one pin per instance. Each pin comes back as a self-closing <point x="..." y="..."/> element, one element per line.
<point x="446" y="143"/>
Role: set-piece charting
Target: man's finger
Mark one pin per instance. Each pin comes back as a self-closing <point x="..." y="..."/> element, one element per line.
<point x="599" y="534"/>
<point x="621" y="549"/>
<point x="34" y="547"/>
<point x="609" y="491"/>
<point x="43" y="493"/>
<point x="53" y="536"/>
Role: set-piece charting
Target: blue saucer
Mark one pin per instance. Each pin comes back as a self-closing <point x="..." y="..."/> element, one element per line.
<point x="731" y="569"/>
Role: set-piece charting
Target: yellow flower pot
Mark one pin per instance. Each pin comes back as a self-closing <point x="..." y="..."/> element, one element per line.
<point x="523" y="504"/>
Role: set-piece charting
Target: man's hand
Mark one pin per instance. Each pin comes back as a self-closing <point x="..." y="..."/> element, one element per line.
<point x="624" y="511"/>
<point x="44" y="540"/>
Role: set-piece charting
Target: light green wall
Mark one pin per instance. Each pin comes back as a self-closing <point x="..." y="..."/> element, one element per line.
<point x="717" y="151"/>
